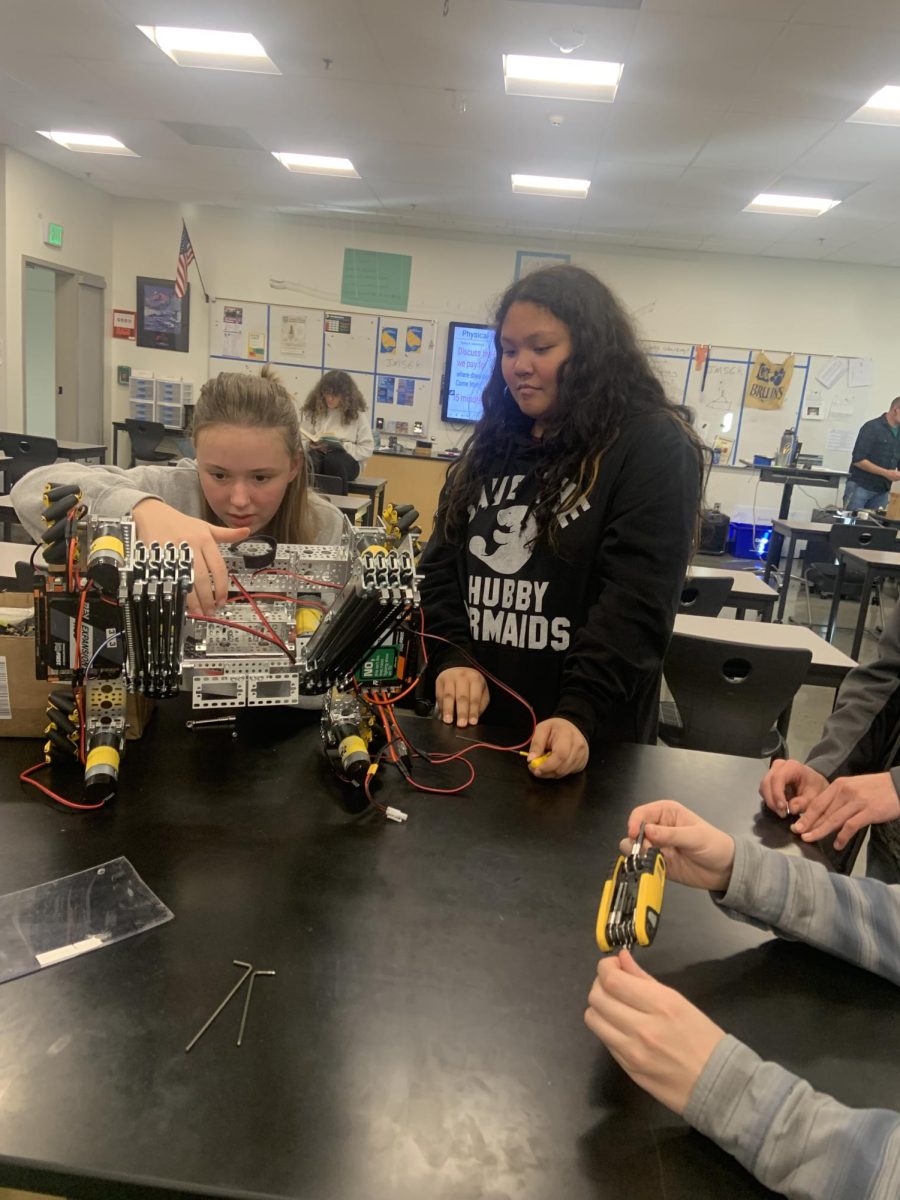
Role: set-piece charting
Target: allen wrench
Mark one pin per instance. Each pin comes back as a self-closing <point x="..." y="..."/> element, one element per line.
<point x="240" y="1036"/>
<point x="248" y="971"/>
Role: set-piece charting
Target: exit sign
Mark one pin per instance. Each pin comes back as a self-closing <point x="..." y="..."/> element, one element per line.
<point x="53" y="234"/>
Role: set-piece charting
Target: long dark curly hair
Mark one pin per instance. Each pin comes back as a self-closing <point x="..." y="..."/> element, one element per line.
<point x="605" y="383"/>
<point x="342" y="385"/>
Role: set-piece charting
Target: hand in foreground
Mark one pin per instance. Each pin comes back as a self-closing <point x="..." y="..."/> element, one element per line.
<point x="848" y="805"/>
<point x="158" y="522"/>
<point x="461" y="692"/>
<point x="564" y="745"/>
<point x="788" y="786"/>
<point x="660" y="1039"/>
<point x="696" y="853"/>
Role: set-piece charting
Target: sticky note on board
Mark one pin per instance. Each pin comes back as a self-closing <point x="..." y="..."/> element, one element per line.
<point x="388" y="340"/>
<point x="413" y="338"/>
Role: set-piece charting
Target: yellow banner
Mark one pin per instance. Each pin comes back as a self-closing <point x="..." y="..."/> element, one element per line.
<point x="768" y="382"/>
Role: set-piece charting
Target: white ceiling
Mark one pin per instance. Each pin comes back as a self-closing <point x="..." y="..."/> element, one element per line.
<point x="719" y="100"/>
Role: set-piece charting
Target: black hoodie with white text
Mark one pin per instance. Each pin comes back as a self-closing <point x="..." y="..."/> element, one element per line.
<point x="581" y="629"/>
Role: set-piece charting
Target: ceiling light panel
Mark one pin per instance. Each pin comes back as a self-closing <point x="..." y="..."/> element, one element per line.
<point x="790" y="206"/>
<point x="882" y="109"/>
<point x="211" y="49"/>
<point x="561" y="78"/>
<point x="88" y="143"/>
<point x="317" y="164"/>
<point x="550" y="185"/>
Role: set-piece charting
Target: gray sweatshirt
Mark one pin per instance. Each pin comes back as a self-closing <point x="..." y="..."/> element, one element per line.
<point x="114" y="491"/>
<point x="795" y="1140"/>
<point x="862" y="735"/>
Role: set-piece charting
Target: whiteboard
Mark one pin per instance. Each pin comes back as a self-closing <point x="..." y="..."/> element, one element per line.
<point x="827" y="401"/>
<point x="390" y="357"/>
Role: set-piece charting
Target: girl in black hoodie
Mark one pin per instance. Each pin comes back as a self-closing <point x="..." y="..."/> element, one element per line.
<point x="564" y="529"/>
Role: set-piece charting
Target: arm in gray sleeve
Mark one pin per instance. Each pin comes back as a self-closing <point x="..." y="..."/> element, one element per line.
<point x="796" y="1141"/>
<point x="861" y="734"/>
<point x="109" y="491"/>
<point x="854" y="919"/>
<point x="363" y="444"/>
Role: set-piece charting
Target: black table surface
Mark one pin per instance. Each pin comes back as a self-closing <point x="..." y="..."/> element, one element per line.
<point x="423" y="1036"/>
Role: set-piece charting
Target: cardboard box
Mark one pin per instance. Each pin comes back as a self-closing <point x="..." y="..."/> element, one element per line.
<point x="893" y="506"/>
<point x="23" y="699"/>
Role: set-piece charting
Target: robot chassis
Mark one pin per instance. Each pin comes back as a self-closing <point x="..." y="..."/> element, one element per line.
<point x="111" y="619"/>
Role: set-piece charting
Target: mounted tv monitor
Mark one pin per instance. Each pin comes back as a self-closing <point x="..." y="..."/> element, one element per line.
<point x="470" y="360"/>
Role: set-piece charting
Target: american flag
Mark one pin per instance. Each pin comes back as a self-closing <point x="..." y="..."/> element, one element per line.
<point x="185" y="258"/>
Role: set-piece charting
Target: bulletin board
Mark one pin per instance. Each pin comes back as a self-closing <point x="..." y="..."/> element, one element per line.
<point x="391" y="357"/>
<point x="825" y="398"/>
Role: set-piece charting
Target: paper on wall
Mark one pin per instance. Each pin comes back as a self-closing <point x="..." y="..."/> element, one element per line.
<point x="859" y="372"/>
<point x="842" y="406"/>
<point x="232" y="331"/>
<point x="840" y="439"/>
<point x="830" y="373"/>
<point x="293" y="336"/>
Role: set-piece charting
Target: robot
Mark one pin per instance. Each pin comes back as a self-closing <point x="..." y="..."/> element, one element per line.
<point x="299" y="621"/>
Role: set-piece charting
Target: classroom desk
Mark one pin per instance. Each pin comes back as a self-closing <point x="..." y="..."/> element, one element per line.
<point x="81" y="451"/>
<point x="747" y="592"/>
<point x="423" y="1035"/>
<point x="793" y="532"/>
<point x="876" y="564"/>
<point x="373" y="487"/>
<point x="827" y="669"/>
<point x="412" y="479"/>
<point x="353" y="507"/>
<point x="119" y="427"/>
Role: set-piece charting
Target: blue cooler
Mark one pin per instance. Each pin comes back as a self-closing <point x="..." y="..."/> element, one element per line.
<point x="749" y="541"/>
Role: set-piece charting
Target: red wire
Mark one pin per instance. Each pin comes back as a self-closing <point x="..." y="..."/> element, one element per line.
<point x="335" y="587"/>
<point x="25" y="777"/>
<point x="244" y="629"/>
<point x="259" y="612"/>
<point x="301" y="602"/>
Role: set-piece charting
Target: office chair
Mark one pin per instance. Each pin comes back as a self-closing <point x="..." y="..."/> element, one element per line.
<point x="705" y="597"/>
<point x="145" y="437"/>
<point x="729" y="695"/>
<point x="330" y="485"/>
<point x="863" y="536"/>
<point x="27" y="452"/>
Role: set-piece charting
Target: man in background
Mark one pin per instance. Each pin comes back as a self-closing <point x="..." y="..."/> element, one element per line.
<point x="874" y="462"/>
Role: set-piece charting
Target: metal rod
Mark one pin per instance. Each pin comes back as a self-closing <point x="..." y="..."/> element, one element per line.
<point x="240" y="1037"/>
<point x="209" y="722"/>
<point x="248" y="970"/>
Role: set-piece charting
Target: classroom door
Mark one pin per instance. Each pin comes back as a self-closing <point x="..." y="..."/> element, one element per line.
<point x="62" y="317"/>
<point x="79" y="357"/>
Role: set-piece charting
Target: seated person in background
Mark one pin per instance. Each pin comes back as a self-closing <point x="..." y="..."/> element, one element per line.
<point x="249" y="476"/>
<point x="794" y="1140"/>
<point x="336" y="418"/>
<point x="851" y="777"/>
<point x="564" y="530"/>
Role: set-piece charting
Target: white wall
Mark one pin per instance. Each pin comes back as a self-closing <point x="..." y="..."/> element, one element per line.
<point x="34" y="193"/>
<point x="715" y="299"/>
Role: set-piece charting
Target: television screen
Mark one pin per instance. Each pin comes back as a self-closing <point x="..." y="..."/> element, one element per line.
<point x="470" y="360"/>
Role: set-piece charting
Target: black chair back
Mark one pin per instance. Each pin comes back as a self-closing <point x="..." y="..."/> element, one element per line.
<point x="330" y="485"/>
<point x="729" y="695"/>
<point x="705" y="597"/>
<point x="145" y="437"/>
<point x="28" y="452"/>
<point x="862" y="536"/>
